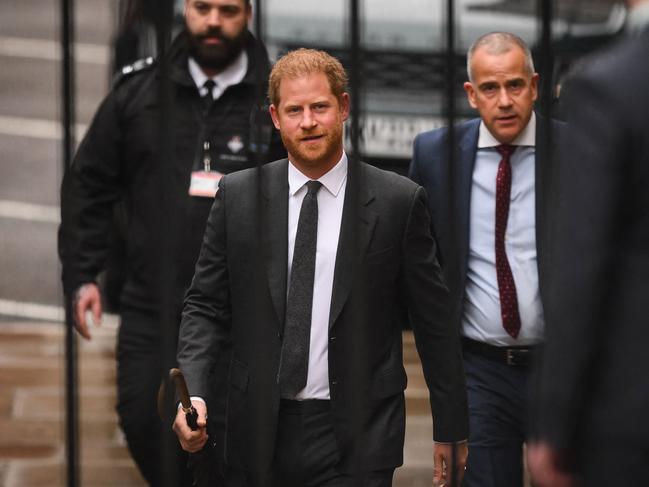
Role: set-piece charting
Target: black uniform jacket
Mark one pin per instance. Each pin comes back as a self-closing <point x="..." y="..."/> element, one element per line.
<point x="120" y="159"/>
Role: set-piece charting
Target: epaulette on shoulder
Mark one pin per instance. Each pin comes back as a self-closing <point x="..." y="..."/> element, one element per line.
<point x="130" y="69"/>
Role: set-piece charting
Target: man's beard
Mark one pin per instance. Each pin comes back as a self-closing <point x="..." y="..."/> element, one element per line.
<point x="313" y="158"/>
<point x="218" y="56"/>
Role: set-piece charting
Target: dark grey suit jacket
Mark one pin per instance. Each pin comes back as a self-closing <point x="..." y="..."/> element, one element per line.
<point x="594" y="383"/>
<point x="385" y="272"/>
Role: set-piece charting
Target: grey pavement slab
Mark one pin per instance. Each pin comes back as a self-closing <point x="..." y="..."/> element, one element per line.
<point x="31" y="413"/>
<point x="29" y="262"/>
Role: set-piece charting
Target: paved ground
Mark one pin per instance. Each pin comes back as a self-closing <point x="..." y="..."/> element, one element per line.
<point x="32" y="405"/>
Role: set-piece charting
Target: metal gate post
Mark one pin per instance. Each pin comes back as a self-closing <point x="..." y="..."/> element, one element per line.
<point x="68" y="130"/>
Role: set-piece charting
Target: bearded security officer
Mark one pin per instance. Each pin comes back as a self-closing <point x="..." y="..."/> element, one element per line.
<point x="219" y="125"/>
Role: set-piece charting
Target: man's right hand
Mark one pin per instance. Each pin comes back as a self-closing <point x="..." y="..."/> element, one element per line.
<point x="192" y="441"/>
<point x="86" y="298"/>
<point x="547" y="466"/>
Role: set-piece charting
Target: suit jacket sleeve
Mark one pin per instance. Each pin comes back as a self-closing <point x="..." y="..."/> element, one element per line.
<point x="206" y="312"/>
<point x="436" y="338"/>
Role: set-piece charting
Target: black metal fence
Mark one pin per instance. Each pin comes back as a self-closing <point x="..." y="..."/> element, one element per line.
<point x="435" y="74"/>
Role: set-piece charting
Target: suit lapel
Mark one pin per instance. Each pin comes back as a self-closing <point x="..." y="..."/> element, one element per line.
<point x="356" y="231"/>
<point x="275" y="235"/>
<point x="468" y="146"/>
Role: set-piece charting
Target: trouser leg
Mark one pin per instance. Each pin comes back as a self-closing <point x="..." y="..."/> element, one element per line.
<point x="139" y="373"/>
<point x="307" y="453"/>
<point x="497" y="396"/>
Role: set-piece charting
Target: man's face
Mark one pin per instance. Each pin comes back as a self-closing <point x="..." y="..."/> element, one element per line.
<point x="217" y="30"/>
<point x="310" y="120"/>
<point x="502" y="91"/>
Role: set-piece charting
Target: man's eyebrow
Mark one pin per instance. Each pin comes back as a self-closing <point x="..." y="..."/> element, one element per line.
<point x="515" y="81"/>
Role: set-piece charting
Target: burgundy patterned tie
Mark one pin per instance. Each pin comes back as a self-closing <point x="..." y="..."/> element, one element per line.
<point x="506" y="286"/>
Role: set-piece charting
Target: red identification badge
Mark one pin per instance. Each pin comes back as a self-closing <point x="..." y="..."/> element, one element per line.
<point x="204" y="183"/>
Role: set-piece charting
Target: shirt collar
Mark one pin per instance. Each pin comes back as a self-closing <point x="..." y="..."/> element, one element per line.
<point x="526" y="137"/>
<point x="333" y="180"/>
<point x="232" y="75"/>
<point x="638" y="18"/>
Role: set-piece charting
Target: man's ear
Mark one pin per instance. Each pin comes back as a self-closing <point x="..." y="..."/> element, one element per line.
<point x="344" y="106"/>
<point x="470" y="94"/>
<point x="273" y="115"/>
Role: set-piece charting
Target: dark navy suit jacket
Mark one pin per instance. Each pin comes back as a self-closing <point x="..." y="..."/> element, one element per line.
<point x="449" y="196"/>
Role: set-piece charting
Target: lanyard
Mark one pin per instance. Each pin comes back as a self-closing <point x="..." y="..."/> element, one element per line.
<point x="203" y="156"/>
<point x="207" y="159"/>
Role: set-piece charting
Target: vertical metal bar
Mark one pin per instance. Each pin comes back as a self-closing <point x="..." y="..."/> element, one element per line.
<point x="545" y="158"/>
<point x="359" y="312"/>
<point x="546" y="68"/>
<point x="355" y="60"/>
<point x="261" y="156"/>
<point x="258" y="62"/>
<point x="68" y="123"/>
<point x="451" y="74"/>
<point x="166" y="236"/>
<point x="450" y="82"/>
<point x="259" y="81"/>
<point x="546" y="55"/>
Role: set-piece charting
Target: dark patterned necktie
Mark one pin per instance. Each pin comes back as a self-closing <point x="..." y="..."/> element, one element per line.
<point x="208" y="98"/>
<point x="294" y="361"/>
<point x="506" y="286"/>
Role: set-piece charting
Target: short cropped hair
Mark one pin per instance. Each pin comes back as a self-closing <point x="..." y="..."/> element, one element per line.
<point x="499" y="43"/>
<point x="303" y="62"/>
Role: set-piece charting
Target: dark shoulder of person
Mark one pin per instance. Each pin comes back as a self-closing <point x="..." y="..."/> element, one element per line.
<point x="132" y="81"/>
<point x="133" y="71"/>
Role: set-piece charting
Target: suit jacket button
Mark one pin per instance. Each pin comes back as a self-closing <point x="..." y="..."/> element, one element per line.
<point x="334" y="382"/>
<point x="332" y="338"/>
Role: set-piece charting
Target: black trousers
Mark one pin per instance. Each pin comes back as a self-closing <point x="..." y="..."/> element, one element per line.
<point x="497" y="395"/>
<point x="139" y="374"/>
<point x="306" y="452"/>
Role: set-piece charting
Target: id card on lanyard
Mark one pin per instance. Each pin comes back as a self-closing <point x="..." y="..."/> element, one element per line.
<point x="204" y="183"/>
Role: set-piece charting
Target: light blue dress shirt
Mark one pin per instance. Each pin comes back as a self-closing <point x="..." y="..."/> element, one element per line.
<point x="481" y="318"/>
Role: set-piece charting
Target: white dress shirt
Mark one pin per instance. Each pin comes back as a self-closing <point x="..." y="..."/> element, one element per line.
<point x="481" y="319"/>
<point x="232" y="75"/>
<point x="330" y="212"/>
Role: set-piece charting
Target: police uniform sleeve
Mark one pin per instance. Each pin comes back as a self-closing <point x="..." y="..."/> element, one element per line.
<point x="90" y="188"/>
